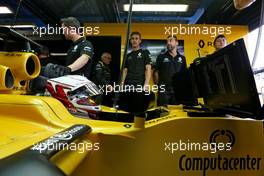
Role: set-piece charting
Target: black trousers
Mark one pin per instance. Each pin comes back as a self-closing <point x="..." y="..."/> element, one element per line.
<point x="134" y="102"/>
<point x="167" y="97"/>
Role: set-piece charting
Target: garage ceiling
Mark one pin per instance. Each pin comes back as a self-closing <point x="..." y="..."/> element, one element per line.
<point x="41" y="12"/>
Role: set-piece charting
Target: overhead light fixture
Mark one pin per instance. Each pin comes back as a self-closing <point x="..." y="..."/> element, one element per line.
<point x="157" y="7"/>
<point x="58" y="54"/>
<point x="5" y="10"/>
<point x="19" y="26"/>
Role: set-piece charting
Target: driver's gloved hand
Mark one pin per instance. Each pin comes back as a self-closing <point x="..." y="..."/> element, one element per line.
<point x="62" y="70"/>
<point x="55" y="70"/>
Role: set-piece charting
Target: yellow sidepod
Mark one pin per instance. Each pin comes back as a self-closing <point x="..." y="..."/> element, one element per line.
<point x="6" y="78"/>
<point x="23" y="66"/>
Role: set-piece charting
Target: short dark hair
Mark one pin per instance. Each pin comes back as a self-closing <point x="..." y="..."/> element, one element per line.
<point x="173" y="36"/>
<point x="71" y="22"/>
<point x="219" y="36"/>
<point x="135" y="33"/>
<point x="106" y="53"/>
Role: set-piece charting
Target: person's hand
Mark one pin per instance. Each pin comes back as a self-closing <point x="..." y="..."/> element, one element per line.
<point x="69" y="70"/>
<point x="62" y="70"/>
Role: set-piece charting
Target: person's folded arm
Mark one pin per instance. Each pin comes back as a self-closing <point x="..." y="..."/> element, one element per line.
<point x="124" y="74"/>
<point x="147" y="74"/>
<point x="156" y="77"/>
<point x="147" y="67"/>
<point x="156" y="70"/>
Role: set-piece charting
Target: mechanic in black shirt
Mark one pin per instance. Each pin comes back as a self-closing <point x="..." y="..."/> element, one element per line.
<point x="80" y="54"/>
<point x="102" y="77"/>
<point x="137" y="69"/>
<point x="102" y="72"/>
<point x="167" y="64"/>
<point x="136" y="74"/>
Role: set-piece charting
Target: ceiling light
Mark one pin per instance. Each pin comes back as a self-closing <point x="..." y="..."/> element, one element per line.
<point x="19" y="26"/>
<point x="5" y="10"/>
<point x="157" y="7"/>
<point x="58" y="54"/>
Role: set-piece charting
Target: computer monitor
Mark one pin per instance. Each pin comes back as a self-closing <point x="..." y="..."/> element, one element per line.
<point x="226" y="82"/>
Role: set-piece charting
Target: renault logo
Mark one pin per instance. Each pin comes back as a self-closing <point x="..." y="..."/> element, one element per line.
<point x="201" y="43"/>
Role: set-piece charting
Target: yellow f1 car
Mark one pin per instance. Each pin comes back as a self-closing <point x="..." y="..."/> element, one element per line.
<point x="39" y="136"/>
